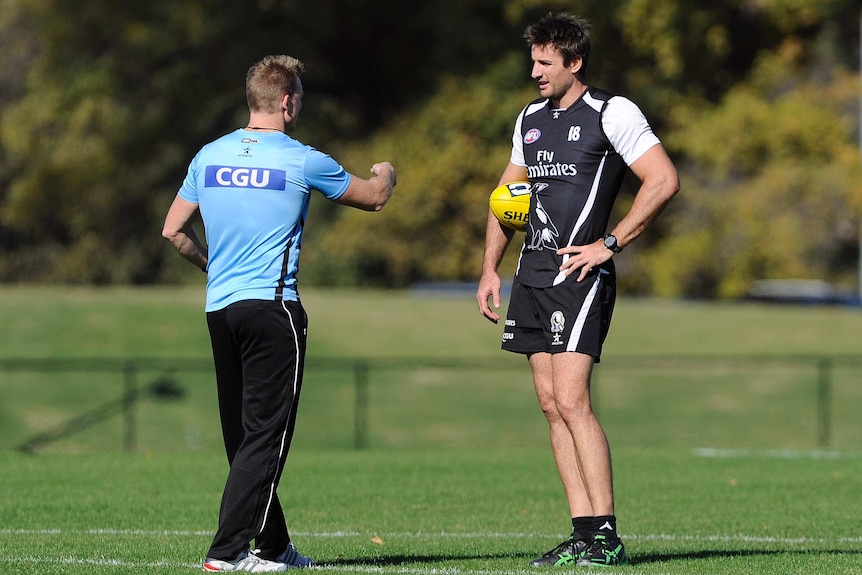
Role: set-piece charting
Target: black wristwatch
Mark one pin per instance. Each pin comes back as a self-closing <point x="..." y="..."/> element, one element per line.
<point x="611" y="243"/>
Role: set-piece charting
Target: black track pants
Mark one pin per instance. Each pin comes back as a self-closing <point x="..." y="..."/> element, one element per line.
<point x="259" y="353"/>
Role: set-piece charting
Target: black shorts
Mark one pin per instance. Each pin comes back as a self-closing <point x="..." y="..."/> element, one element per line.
<point x="571" y="316"/>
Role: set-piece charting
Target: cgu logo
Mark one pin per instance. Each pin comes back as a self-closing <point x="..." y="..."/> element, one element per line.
<point x="233" y="177"/>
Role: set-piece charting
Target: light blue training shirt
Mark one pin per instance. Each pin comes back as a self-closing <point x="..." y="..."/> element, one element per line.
<point x="253" y="190"/>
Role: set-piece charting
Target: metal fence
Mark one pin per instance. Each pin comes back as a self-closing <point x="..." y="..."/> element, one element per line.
<point x="776" y="401"/>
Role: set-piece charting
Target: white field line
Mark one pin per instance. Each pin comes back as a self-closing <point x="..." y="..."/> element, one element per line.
<point x="399" y="570"/>
<point x="93" y="562"/>
<point x="738" y="538"/>
<point x="715" y="452"/>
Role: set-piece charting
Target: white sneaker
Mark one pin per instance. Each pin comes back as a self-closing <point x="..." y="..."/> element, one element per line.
<point x="291" y="557"/>
<point x="245" y="561"/>
<point x="215" y="565"/>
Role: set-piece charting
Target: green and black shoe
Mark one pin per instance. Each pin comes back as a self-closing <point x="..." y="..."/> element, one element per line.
<point x="566" y="553"/>
<point x="604" y="552"/>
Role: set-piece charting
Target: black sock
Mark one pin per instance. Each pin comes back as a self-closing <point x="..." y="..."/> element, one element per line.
<point x="606" y="525"/>
<point x="582" y="528"/>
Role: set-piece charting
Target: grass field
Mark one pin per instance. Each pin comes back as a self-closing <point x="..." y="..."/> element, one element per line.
<point x="458" y="512"/>
<point x="169" y="322"/>
<point x="710" y="409"/>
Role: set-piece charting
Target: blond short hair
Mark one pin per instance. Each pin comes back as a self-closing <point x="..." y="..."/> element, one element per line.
<point x="269" y="80"/>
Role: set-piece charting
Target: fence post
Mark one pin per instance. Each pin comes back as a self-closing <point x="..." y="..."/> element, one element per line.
<point x="360" y="376"/>
<point x="129" y="397"/>
<point x="824" y="402"/>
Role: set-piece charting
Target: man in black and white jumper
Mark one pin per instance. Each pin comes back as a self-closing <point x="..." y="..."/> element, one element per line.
<point x="574" y="144"/>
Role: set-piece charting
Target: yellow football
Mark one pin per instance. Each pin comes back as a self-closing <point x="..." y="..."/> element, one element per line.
<point x="511" y="204"/>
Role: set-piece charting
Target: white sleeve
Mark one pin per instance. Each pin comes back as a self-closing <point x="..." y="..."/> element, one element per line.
<point x="517" y="156"/>
<point x="627" y="129"/>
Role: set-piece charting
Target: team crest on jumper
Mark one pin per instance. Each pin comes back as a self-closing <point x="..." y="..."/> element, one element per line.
<point x="558" y="323"/>
<point x="543" y="232"/>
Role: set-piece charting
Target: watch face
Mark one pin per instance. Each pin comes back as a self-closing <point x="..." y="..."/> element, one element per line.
<point x="611" y="243"/>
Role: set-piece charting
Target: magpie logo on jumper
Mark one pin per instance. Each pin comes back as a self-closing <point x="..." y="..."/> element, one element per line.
<point x="545" y="166"/>
<point x="558" y="324"/>
<point x="543" y="232"/>
<point x="233" y="177"/>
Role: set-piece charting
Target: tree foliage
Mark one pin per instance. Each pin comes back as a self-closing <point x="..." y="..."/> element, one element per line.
<point x="102" y="105"/>
<point x="774" y="190"/>
<point x="432" y="230"/>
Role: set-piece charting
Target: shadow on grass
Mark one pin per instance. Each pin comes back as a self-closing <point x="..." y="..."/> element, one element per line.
<point x="711" y="554"/>
<point x="395" y="560"/>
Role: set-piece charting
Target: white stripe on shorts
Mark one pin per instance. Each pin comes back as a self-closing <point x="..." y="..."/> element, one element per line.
<point x="578" y="328"/>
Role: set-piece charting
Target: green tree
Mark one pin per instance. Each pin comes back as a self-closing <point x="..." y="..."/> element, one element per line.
<point x="451" y="152"/>
<point x="102" y="105"/>
<point x="772" y="185"/>
<point x="115" y="99"/>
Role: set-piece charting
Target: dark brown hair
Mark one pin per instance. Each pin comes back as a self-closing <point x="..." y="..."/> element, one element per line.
<point x="567" y="33"/>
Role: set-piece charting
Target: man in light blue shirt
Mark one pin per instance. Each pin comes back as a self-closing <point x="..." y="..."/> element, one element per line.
<point x="252" y="189"/>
